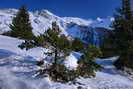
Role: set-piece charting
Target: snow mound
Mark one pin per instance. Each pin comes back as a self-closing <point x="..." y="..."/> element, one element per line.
<point x="71" y="61"/>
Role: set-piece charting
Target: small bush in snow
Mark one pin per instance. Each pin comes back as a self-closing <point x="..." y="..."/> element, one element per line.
<point x="87" y="65"/>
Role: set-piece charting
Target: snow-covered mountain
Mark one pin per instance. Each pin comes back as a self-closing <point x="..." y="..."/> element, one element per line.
<point x="70" y="26"/>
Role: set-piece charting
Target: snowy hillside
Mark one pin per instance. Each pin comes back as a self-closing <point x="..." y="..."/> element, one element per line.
<point x="73" y="27"/>
<point x="17" y="69"/>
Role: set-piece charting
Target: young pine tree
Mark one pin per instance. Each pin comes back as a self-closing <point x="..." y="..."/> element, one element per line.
<point x="59" y="47"/>
<point x="21" y="26"/>
<point x="58" y="43"/>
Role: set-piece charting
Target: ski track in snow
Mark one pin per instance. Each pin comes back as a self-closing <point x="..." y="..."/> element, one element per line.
<point x="17" y="68"/>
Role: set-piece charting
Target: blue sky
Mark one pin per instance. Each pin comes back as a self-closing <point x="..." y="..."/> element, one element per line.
<point x="73" y="8"/>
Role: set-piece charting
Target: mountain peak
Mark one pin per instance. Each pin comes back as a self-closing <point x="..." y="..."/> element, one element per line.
<point x="46" y="12"/>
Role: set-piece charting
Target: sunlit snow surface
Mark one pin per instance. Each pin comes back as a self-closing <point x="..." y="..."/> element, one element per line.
<point x="17" y="68"/>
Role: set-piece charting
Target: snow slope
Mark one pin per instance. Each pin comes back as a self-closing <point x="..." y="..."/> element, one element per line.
<point x="17" y="68"/>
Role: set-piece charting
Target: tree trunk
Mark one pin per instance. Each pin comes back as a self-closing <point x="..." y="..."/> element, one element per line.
<point x="56" y="54"/>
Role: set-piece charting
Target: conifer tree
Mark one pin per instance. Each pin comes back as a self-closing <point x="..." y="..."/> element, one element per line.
<point x="59" y="47"/>
<point x="21" y="26"/>
<point x="51" y="39"/>
<point x="77" y="45"/>
<point x="59" y="43"/>
<point x="126" y="9"/>
<point x="120" y="41"/>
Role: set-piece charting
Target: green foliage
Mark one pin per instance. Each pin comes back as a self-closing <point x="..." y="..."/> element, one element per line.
<point x="87" y="65"/>
<point x="86" y="68"/>
<point x="120" y="42"/>
<point x="109" y="47"/>
<point x="125" y="59"/>
<point x="56" y="40"/>
<point x="38" y="41"/>
<point x="127" y="9"/>
<point x="61" y="47"/>
<point x="92" y="52"/>
<point x="51" y="39"/>
<point x="58" y="73"/>
<point x="59" y="43"/>
<point x="21" y="27"/>
<point x="124" y="35"/>
<point x="77" y="45"/>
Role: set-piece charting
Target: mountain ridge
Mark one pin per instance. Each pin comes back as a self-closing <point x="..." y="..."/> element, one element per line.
<point x="70" y="26"/>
